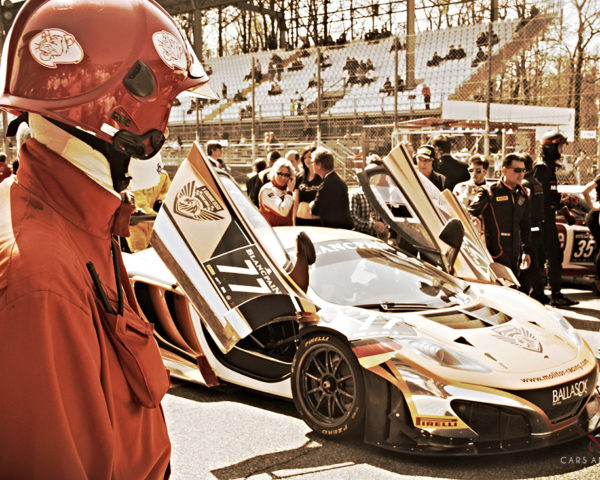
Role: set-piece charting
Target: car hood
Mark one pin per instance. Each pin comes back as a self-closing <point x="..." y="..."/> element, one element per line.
<point x="503" y="339"/>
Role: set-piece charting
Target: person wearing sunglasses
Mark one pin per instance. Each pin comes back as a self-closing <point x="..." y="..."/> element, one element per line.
<point x="503" y="208"/>
<point x="276" y="198"/>
<point x="466" y="191"/>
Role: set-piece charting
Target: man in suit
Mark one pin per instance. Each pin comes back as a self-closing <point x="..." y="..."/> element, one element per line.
<point x="454" y="170"/>
<point x="331" y="204"/>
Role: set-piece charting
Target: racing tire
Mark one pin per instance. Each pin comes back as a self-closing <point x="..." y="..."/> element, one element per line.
<point x="328" y="386"/>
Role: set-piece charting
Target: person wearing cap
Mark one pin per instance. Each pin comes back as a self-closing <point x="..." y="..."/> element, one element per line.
<point x="424" y="159"/>
<point x="82" y="374"/>
<point x="545" y="172"/>
<point x="466" y="191"/>
<point x="503" y="208"/>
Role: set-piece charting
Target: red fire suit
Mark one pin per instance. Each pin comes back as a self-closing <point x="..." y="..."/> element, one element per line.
<point x="67" y="410"/>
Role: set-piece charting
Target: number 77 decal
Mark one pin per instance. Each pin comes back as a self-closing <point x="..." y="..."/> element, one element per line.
<point x="251" y="270"/>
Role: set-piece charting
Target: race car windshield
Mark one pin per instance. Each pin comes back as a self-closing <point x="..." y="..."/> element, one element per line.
<point x="358" y="272"/>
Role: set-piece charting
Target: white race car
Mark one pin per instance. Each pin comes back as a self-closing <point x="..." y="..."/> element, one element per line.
<point x="367" y="340"/>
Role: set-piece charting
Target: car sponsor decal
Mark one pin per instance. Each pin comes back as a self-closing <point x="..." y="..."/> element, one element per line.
<point x="519" y="337"/>
<point x="197" y="202"/>
<point x="577" y="389"/>
<point x="583" y="247"/>
<point x="170" y="50"/>
<point x="54" y="46"/>
<point x="243" y="274"/>
<point x="556" y="373"/>
<point x="434" y="421"/>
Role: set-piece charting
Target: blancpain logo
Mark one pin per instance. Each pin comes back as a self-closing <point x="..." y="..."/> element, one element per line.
<point x="561" y="394"/>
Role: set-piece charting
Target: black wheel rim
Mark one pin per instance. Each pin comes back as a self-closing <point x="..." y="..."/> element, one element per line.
<point x="328" y="385"/>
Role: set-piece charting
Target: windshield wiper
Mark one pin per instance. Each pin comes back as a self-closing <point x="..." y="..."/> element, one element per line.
<point x="396" y="307"/>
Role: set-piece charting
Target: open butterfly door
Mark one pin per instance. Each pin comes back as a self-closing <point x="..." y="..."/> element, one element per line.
<point x="225" y="256"/>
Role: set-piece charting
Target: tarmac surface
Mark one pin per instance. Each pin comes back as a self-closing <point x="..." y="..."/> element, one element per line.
<point x="231" y="433"/>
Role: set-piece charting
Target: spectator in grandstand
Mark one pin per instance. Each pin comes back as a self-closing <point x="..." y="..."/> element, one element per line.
<point x="5" y="168"/>
<point x="435" y="60"/>
<point x="460" y="52"/>
<point x="531" y="279"/>
<point x="313" y="81"/>
<point x="296" y="65"/>
<point x="299" y="100"/>
<point x="257" y="72"/>
<point x="480" y="56"/>
<point x="397" y="42"/>
<point x="452" y="53"/>
<point x="369" y="65"/>
<point x="401" y="85"/>
<point x="253" y="183"/>
<point x="504" y="210"/>
<point x="276" y="198"/>
<point x="325" y="61"/>
<point x="387" y="88"/>
<point x="224" y="90"/>
<point x="331" y="204"/>
<point x="275" y="89"/>
<point x="239" y="97"/>
<point x="364" y="217"/>
<point x="246" y="112"/>
<point x="424" y="159"/>
<point x="306" y="190"/>
<point x="215" y="151"/>
<point x="466" y="191"/>
<point x="592" y="220"/>
<point x="341" y="39"/>
<point x="454" y="170"/>
<point x="426" y="92"/>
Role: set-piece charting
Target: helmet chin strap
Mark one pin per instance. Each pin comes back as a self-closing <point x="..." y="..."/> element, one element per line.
<point x="118" y="161"/>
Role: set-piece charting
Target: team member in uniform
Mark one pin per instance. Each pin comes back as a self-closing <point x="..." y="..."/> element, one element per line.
<point x="82" y="374"/>
<point x="592" y="220"/>
<point x="531" y="279"/>
<point x="504" y="209"/>
<point x="545" y="173"/>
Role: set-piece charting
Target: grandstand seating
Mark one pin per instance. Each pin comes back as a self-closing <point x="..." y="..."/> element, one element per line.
<point x="443" y="80"/>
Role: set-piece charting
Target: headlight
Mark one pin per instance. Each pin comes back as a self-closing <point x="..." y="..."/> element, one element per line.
<point x="566" y="327"/>
<point x="443" y="356"/>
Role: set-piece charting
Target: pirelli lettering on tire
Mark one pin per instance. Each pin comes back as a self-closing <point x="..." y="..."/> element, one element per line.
<point x="315" y="339"/>
<point x="437" y="422"/>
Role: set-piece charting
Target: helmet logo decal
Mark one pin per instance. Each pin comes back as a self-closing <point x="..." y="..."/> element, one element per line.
<point x="54" y="46"/>
<point x="170" y="50"/>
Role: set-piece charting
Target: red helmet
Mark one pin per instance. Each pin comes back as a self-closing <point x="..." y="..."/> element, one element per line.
<point x="111" y="68"/>
<point x="553" y="138"/>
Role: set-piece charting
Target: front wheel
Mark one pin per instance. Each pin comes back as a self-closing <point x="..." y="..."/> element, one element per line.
<point x="328" y="386"/>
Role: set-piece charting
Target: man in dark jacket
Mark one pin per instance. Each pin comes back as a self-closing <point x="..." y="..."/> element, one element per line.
<point x="504" y="209"/>
<point x="532" y="279"/>
<point x="331" y="204"/>
<point x="454" y="170"/>
<point x="545" y="172"/>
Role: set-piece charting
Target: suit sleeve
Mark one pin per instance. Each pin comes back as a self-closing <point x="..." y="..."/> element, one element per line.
<point x="322" y="198"/>
<point x="479" y="203"/>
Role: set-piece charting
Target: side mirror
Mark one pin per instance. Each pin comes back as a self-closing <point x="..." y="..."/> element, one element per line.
<point x="305" y="256"/>
<point x="452" y="234"/>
